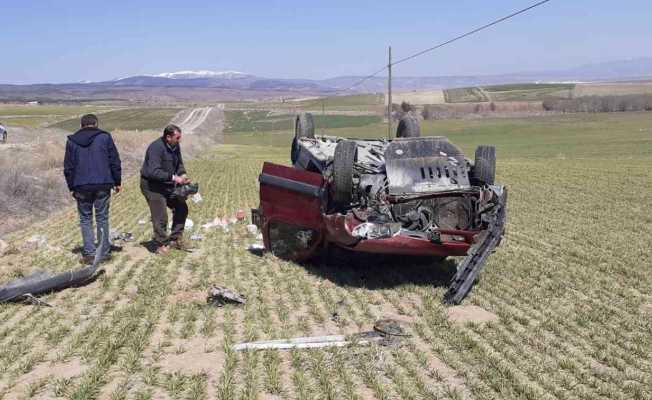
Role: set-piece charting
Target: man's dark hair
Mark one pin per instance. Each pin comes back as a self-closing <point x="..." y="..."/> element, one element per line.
<point x="89" y="120"/>
<point x="170" y="129"/>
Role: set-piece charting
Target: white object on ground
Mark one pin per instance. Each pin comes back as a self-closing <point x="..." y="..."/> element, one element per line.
<point x="196" y="236"/>
<point x="196" y="198"/>
<point x="259" y="236"/>
<point x="302" y="343"/>
<point x="37" y="241"/>
<point x="256" y="246"/>
<point x="189" y="223"/>
<point x="252" y="229"/>
<point x="141" y="222"/>
<point x="217" y="223"/>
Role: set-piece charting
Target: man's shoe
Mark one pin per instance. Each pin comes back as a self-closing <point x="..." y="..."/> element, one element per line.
<point x="163" y="250"/>
<point x="181" y="245"/>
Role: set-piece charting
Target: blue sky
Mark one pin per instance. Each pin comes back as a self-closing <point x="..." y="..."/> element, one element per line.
<point x="69" y="41"/>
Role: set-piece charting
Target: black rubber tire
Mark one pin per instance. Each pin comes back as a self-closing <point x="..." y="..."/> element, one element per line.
<point x="484" y="169"/>
<point x="304" y="126"/>
<point x="345" y="155"/>
<point x="408" y="127"/>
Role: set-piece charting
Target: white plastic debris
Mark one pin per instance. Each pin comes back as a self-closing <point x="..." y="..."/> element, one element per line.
<point x="196" y="198"/>
<point x="36" y="241"/>
<point x="256" y="246"/>
<point x="252" y="229"/>
<point x="189" y="224"/>
<point x="141" y="222"/>
<point x="196" y="236"/>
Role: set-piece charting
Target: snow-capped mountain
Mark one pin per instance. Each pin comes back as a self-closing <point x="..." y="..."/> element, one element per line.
<point x="203" y="74"/>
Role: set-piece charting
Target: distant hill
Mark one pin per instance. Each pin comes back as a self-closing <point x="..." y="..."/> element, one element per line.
<point x="234" y="85"/>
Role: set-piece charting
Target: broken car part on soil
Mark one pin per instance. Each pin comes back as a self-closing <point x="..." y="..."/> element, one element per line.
<point x="411" y="195"/>
<point x="386" y="333"/>
<point x="219" y="296"/>
<point x="42" y="282"/>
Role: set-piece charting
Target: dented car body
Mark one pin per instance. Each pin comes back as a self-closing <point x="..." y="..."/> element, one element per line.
<point x="412" y="196"/>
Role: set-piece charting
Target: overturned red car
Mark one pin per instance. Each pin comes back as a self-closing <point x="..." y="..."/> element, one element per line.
<point x="411" y="195"/>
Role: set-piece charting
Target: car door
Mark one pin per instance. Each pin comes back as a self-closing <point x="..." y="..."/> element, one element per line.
<point x="291" y="203"/>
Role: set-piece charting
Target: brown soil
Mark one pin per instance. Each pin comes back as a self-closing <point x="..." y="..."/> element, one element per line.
<point x="66" y="370"/>
<point x="470" y="314"/>
<point x="645" y="308"/>
<point x="203" y="356"/>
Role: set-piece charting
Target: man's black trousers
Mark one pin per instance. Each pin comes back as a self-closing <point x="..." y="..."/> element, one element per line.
<point x="159" y="201"/>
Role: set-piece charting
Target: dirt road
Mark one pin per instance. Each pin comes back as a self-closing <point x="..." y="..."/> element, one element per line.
<point x="201" y="120"/>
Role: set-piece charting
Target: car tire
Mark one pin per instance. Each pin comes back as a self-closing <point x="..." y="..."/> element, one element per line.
<point x="304" y="126"/>
<point x="408" y="127"/>
<point x="343" y="160"/>
<point x="484" y="168"/>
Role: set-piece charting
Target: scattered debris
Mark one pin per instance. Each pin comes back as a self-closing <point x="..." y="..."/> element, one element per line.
<point x="256" y="249"/>
<point x="335" y="317"/>
<point x="252" y="229"/>
<point x="141" y="222"/>
<point x="196" y="198"/>
<point x="123" y="236"/>
<point x="189" y="224"/>
<point x="44" y="282"/>
<point x="35" y="301"/>
<point x="196" y="236"/>
<point x="390" y="327"/>
<point x="386" y="332"/>
<point x="217" y="223"/>
<point x="219" y="296"/>
<point x="36" y="242"/>
<point x="299" y="343"/>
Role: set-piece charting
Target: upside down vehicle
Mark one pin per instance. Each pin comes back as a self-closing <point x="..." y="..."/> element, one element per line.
<point x="412" y="196"/>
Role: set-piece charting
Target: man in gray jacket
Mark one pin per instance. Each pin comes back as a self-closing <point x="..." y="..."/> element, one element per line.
<point x="163" y="169"/>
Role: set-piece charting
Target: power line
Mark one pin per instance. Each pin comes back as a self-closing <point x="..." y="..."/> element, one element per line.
<point x="483" y="27"/>
<point x="366" y="78"/>
<point x="474" y="31"/>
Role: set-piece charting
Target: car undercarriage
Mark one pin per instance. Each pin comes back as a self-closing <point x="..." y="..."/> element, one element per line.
<point x="411" y="195"/>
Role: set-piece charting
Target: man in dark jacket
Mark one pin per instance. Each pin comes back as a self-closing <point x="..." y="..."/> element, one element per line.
<point x="92" y="168"/>
<point x="162" y="170"/>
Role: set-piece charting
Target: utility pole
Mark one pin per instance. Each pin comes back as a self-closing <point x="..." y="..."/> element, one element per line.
<point x="389" y="95"/>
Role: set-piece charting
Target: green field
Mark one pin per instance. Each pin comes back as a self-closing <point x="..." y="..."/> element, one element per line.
<point x="128" y="119"/>
<point x="350" y="103"/>
<point x="530" y="91"/>
<point x="42" y="115"/>
<point x="257" y="121"/>
<point x="570" y="287"/>
<point x="464" y="95"/>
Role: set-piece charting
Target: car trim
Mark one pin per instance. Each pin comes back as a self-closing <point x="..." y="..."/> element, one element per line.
<point x="289" y="184"/>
